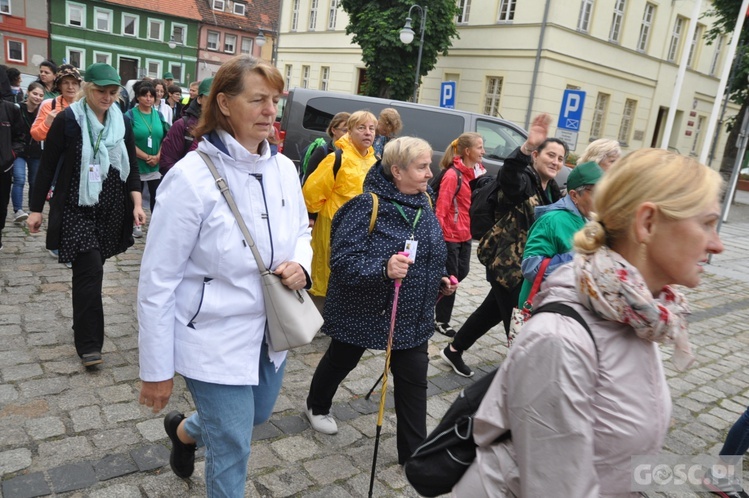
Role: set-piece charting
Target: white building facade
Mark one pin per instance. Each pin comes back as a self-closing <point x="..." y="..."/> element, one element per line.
<point x="623" y="53"/>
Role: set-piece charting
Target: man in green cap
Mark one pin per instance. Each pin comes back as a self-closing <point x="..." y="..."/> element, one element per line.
<point x="179" y="140"/>
<point x="551" y="234"/>
<point x="168" y="77"/>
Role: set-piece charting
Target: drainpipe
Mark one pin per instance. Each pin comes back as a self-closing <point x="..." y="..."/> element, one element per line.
<point x="536" y="65"/>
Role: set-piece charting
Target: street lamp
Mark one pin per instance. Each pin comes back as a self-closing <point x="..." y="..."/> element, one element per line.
<point x="260" y="39"/>
<point x="407" y="36"/>
<point x="172" y="46"/>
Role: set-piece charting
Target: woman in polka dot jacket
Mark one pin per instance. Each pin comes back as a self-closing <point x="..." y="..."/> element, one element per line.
<point x="364" y="267"/>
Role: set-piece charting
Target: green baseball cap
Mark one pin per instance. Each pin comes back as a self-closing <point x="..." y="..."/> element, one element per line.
<point x="101" y="74"/>
<point x="205" y="86"/>
<point x="168" y="76"/>
<point x="584" y="174"/>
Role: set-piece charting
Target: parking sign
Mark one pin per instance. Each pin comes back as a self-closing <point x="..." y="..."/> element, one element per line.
<point x="571" y="113"/>
<point x="447" y="94"/>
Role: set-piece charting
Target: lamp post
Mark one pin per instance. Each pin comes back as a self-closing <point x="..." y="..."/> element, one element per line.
<point x="172" y="46"/>
<point x="261" y="40"/>
<point x="407" y="36"/>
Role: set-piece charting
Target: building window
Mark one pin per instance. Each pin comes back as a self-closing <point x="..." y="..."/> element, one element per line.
<point x="647" y="24"/>
<point x="102" y="57"/>
<point x="103" y="20"/>
<point x="76" y="15"/>
<point x="76" y="57"/>
<point x="154" y="69"/>
<point x="716" y="54"/>
<point x="5" y="7"/>
<point x="313" y="15"/>
<point x="176" y="69"/>
<point x="693" y="47"/>
<point x="305" y="76"/>
<point x="616" y="21"/>
<point x="464" y="10"/>
<point x="129" y="25"/>
<point x="179" y="33"/>
<point x="599" y="115"/>
<point x="493" y="93"/>
<point x="212" y="40"/>
<point x="583" y="20"/>
<point x="218" y="5"/>
<point x="287" y="77"/>
<point x="295" y="15"/>
<point x="506" y="10"/>
<point x="239" y="9"/>
<point x="230" y="43"/>
<point x="698" y="134"/>
<point x="324" y="77"/>
<point x="673" y="47"/>
<point x="246" y="46"/>
<point x="15" y="50"/>
<point x="155" y="30"/>
<point x="628" y="116"/>
<point x="333" y="14"/>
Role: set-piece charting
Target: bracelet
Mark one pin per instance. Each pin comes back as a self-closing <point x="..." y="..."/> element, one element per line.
<point x="522" y="150"/>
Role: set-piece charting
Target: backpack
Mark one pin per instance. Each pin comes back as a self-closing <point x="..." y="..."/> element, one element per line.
<point x="318" y="142"/>
<point x="437" y="181"/>
<point x="483" y="205"/>
<point x="441" y="460"/>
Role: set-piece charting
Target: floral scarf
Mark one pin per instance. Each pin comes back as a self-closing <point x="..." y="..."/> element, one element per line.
<point x="614" y="289"/>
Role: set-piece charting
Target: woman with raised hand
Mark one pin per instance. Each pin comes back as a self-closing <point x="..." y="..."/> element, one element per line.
<point x="67" y="83"/>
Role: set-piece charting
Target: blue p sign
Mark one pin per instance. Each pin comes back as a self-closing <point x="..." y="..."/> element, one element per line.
<point x="572" y="110"/>
<point x="447" y="94"/>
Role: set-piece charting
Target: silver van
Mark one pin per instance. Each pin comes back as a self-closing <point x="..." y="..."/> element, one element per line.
<point x="308" y="112"/>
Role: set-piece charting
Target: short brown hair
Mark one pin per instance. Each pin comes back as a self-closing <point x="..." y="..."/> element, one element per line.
<point x="391" y="120"/>
<point x="338" y="120"/>
<point x="229" y="80"/>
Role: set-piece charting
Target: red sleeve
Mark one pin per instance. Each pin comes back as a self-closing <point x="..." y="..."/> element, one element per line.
<point x="445" y="209"/>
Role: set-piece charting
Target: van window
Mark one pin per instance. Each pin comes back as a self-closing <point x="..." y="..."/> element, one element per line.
<point x="499" y="139"/>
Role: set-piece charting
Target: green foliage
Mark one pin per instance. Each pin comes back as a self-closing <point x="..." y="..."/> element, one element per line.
<point x="726" y="12"/>
<point x="391" y="65"/>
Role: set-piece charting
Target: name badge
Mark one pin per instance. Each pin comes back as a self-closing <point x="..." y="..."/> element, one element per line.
<point x="410" y="249"/>
<point x="149" y="142"/>
<point x="94" y="174"/>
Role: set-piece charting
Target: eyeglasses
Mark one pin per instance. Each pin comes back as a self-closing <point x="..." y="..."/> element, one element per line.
<point x="342" y="129"/>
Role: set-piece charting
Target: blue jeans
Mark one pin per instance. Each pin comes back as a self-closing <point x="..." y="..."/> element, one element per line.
<point x="224" y="422"/>
<point x="19" y="179"/>
<point x="737" y="441"/>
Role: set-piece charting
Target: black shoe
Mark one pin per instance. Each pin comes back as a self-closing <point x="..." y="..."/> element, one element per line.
<point x="455" y="360"/>
<point x="723" y="486"/>
<point x="91" y="359"/>
<point x="182" y="458"/>
<point x="444" y="329"/>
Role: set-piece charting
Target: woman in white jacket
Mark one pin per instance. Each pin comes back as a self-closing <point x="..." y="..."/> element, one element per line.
<point x="578" y="410"/>
<point x="200" y="301"/>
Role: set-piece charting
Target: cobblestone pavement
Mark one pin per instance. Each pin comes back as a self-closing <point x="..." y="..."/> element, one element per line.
<point x="69" y="432"/>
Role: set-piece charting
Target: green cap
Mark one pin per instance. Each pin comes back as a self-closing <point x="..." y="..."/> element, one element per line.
<point x="584" y="174"/>
<point x="168" y="76"/>
<point x="205" y="86"/>
<point x="101" y="74"/>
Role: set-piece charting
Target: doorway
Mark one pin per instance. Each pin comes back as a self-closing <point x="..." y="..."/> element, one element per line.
<point x="128" y="69"/>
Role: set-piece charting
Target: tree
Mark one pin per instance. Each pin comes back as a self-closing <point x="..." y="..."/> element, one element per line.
<point x="391" y="64"/>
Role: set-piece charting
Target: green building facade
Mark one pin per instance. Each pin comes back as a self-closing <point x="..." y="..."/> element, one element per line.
<point x="131" y="38"/>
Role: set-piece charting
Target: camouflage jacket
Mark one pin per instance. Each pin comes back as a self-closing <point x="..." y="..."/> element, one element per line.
<point x="501" y="249"/>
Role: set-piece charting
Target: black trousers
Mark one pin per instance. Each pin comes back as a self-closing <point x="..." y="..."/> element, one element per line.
<point x="88" y="311"/>
<point x="409" y="368"/>
<point x="497" y="307"/>
<point x="458" y="264"/>
<point x="152" y="186"/>
<point x="6" y="181"/>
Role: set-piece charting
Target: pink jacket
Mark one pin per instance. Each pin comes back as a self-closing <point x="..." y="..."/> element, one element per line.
<point x="575" y="419"/>
<point x="455" y="230"/>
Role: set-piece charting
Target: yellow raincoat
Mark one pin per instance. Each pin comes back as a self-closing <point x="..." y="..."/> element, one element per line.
<point x="325" y="194"/>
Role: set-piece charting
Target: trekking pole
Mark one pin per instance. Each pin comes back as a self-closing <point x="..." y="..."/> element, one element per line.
<point x="384" y="377"/>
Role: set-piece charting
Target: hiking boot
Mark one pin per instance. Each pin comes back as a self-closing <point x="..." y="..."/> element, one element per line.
<point x="182" y="458"/>
<point x="91" y="359"/>
<point x="455" y="360"/>
<point x="723" y="486"/>
<point x="137" y="231"/>
<point x="322" y="423"/>
<point x="444" y="329"/>
<point x="20" y="216"/>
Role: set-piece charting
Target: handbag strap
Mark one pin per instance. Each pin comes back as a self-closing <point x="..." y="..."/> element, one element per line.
<point x="224" y="188"/>
<point x="538" y="280"/>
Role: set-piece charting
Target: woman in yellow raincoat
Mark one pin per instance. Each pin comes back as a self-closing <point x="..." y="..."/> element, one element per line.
<point x="325" y="191"/>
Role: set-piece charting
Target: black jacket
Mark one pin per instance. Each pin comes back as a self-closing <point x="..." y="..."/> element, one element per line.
<point x="11" y="134"/>
<point x="64" y="142"/>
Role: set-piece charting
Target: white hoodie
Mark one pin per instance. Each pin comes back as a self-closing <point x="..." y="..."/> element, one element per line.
<point x="200" y="301"/>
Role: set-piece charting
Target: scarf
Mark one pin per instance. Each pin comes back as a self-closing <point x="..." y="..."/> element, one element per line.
<point x="110" y="137"/>
<point x="611" y="287"/>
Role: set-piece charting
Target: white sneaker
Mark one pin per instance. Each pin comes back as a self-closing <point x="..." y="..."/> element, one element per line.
<point x="20" y="216"/>
<point x="137" y="231"/>
<point x="322" y="423"/>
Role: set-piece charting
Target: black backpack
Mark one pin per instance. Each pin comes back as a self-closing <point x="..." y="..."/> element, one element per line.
<point x="484" y="205"/>
<point x="441" y="460"/>
<point x="437" y="181"/>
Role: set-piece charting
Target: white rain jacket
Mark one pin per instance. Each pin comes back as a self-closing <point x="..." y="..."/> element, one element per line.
<point x="575" y="419"/>
<point x="200" y="301"/>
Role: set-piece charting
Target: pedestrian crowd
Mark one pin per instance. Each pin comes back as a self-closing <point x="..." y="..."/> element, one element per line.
<point x="381" y="244"/>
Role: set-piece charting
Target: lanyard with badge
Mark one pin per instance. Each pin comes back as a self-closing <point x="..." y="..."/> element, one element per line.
<point x="149" y="140"/>
<point x="411" y="243"/>
<point x="94" y="172"/>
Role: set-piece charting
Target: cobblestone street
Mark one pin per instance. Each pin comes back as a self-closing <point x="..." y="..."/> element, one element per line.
<point x="68" y="432"/>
